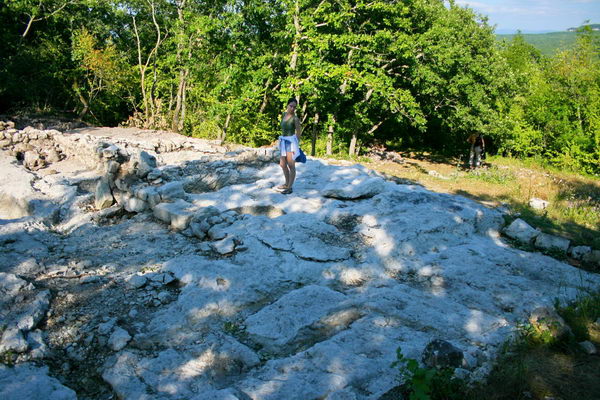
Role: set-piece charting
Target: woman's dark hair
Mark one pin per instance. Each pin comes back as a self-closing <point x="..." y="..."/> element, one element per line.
<point x="292" y="100"/>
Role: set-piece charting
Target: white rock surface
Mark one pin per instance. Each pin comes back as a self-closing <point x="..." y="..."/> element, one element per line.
<point x="27" y="382"/>
<point x="270" y="296"/>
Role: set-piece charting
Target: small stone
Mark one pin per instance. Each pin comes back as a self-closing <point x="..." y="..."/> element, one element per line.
<point x="441" y="354"/>
<point x="36" y="342"/>
<point x="551" y="242"/>
<point x="88" y="339"/>
<point x="462" y="373"/>
<point x="588" y="347"/>
<point x="154" y="174"/>
<point x="107" y="326"/>
<point x="592" y="258"/>
<point x="521" y="231"/>
<point x="204" y="247"/>
<point x="13" y="340"/>
<point x="137" y="281"/>
<point x="164" y="297"/>
<point x="119" y="339"/>
<point x="171" y="191"/>
<point x="538" y="204"/>
<point x="578" y="252"/>
<point x="104" y="197"/>
<point x="224" y="246"/>
<point x="89" y="279"/>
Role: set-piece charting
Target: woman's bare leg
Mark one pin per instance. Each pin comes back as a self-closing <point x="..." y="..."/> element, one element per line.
<point x="286" y="171"/>
<point x="291" y="163"/>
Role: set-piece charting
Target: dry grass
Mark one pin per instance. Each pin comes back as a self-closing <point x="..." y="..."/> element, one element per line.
<point x="541" y="373"/>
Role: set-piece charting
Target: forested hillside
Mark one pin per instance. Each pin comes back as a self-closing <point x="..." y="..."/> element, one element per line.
<point x="406" y="74"/>
<point x="549" y="44"/>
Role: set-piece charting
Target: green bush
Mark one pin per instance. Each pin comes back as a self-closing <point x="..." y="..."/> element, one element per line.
<point x="423" y="383"/>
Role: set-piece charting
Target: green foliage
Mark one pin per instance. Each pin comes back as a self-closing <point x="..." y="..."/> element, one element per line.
<point x="415" y="73"/>
<point x="422" y="383"/>
<point x="231" y="328"/>
<point x="493" y="174"/>
<point x="555" y="111"/>
<point x="580" y="313"/>
<point x="531" y="336"/>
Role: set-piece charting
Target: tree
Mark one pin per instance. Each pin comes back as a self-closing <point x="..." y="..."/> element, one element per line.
<point x="99" y="70"/>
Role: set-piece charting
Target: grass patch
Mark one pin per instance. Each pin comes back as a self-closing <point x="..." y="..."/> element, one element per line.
<point x="536" y="367"/>
<point x="494" y="175"/>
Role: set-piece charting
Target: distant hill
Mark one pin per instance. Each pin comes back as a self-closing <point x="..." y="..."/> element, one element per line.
<point x="550" y="43"/>
<point x="595" y="27"/>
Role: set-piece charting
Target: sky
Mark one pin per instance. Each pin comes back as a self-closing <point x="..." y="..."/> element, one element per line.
<point x="532" y="16"/>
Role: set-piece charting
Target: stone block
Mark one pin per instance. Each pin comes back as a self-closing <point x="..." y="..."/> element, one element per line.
<point x="224" y="246"/>
<point x="550" y="242"/>
<point x="177" y="214"/>
<point x="171" y="191"/>
<point x="538" y="204"/>
<point x="521" y="231"/>
<point x="104" y="197"/>
<point x="133" y="204"/>
<point x="145" y="163"/>
<point x="578" y="252"/>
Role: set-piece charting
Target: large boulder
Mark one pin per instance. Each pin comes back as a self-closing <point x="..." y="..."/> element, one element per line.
<point x="360" y="187"/>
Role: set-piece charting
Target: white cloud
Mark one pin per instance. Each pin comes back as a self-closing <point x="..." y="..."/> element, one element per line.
<point x="516" y="8"/>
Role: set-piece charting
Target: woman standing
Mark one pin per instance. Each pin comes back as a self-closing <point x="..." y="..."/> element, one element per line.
<point x="289" y="145"/>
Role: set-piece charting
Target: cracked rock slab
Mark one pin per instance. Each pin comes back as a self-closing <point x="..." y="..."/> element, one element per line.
<point x="279" y="323"/>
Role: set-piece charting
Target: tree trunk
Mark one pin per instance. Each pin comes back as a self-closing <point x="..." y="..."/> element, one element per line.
<point x="313" y="144"/>
<point x="295" y="45"/>
<point x="352" y="151"/>
<point x="225" y="127"/>
<point x="330" y="137"/>
<point x="183" y="106"/>
<point x="178" y="98"/>
<point x="263" y="105"/>
<point x="148" y="100"/>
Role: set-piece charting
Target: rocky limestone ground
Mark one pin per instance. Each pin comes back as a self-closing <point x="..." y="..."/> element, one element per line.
<point x="145" y="265"/>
